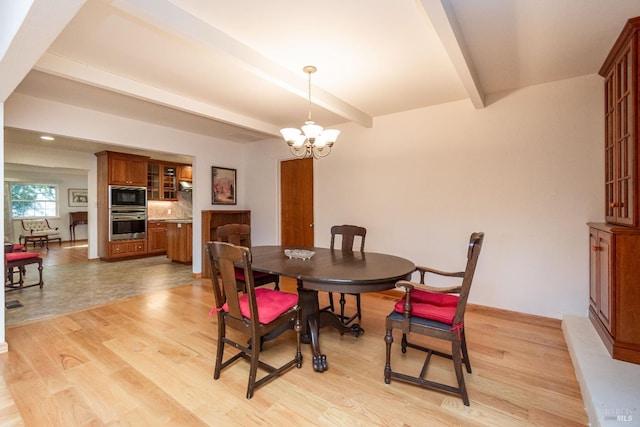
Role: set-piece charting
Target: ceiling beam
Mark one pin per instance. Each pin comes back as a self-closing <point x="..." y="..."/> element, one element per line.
<point x="27" y="29"/>
<point x="168" y="17"/>
<point x="444" y="22"/>
<point x="62" y="67"/>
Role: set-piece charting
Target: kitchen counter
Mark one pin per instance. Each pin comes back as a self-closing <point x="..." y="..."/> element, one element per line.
<point x="172" y="220"/>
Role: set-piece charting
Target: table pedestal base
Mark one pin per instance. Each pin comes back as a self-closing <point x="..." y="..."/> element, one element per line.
<point x="314" y="319"/>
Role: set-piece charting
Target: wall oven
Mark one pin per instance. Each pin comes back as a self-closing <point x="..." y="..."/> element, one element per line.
<point x="127" y="197"/>
<point x="128" y="224"/>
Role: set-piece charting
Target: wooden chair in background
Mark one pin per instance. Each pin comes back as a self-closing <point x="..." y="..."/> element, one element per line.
<point x="348" y="234"/>
<point x="240" y="235"/>
<point x="435" y="312"/>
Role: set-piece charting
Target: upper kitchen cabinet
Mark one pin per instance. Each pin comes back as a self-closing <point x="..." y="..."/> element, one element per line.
<point x="162" y="181"/>
<point x="125" y="169"/>
<point x="185" y="173"/>
<point x="621" y="71"/>
<point x="185" y="176"/>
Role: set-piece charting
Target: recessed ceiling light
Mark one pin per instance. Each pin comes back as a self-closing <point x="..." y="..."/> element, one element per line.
<point x="47" y="138"/>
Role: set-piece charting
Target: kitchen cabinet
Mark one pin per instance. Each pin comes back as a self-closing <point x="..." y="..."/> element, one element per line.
<point x="185" y="173"/>
<point x="180" y="241"/>
<point x="211" y="220"/>
<point x="614" y="277"/>
<point x="156" y="237"/>
<point x="614" y="288"/>
<point x="125" y="169"/>
<point x="600" y="280"/>
<point x="162" y="181"/>
<point x="127" y="248"/>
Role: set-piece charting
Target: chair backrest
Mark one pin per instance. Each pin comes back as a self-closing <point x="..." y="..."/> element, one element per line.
<point x="348" y="233"/>
<point x="222" y="257"/>
<point x="36" y="225"/>
<point x="236" y="234"/>
<point x="473" y="252"/>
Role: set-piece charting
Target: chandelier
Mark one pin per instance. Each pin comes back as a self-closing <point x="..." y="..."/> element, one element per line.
<point x="312" y="140"/>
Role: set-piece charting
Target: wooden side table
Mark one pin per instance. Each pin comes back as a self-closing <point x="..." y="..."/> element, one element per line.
<point x="77" y="218"/>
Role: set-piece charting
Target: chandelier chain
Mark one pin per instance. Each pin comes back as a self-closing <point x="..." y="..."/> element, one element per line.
<point x="309" y="88"/>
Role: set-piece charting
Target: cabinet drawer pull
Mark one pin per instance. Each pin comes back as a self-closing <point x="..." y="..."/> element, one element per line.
<point x="613" y="204"/>
<point x="596" y="248"/>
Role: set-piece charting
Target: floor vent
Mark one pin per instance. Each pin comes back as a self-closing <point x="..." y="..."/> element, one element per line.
<point x="13" y="304"/>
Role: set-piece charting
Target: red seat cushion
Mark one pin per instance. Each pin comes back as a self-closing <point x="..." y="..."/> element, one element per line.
<point x="435" y="298"/>
<point x="19" y="256"/>
<point x="271" y="304"/>
<point x="431" y="305"/>
<point x="256" y="274"/>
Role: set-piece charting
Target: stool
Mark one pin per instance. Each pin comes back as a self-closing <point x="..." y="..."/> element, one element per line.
<point x="10" y="247"/>
<point x="20" y="260"/>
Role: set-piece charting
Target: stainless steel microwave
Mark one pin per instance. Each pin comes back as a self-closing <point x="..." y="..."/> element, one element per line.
<point x="127" y="197"/>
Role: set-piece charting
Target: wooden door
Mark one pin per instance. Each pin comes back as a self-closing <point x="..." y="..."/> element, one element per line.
<point x="594" y="270"/>
<point x="296" y="205"/>
<point x="605" y="258"/>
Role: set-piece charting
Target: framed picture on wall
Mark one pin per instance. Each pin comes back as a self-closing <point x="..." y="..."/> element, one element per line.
<point x="223" y="186"/>
<point x="78" y="197"/>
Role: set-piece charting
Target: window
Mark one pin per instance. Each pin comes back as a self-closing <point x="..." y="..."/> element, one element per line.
<point x="34" y="200"/>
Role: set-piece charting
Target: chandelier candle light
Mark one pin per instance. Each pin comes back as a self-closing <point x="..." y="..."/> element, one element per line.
<point x="313" y="140"/>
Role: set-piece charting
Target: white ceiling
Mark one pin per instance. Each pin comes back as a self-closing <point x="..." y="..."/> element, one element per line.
<point x="233" y="69"/>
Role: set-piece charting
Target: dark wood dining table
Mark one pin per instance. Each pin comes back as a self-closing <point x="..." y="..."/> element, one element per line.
<point x="330" y="270"/>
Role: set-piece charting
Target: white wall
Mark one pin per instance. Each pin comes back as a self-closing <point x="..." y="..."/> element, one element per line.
<point x="527" y="170"/>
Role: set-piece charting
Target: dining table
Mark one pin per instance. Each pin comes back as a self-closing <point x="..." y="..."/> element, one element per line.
<point x="330" y="270"/>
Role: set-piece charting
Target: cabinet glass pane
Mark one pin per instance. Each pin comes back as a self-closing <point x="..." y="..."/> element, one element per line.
<point x="153" y="181"/>
<point x="628" y="84"/>
<point x="169" y="182"/>
<point x="609" y="91"/>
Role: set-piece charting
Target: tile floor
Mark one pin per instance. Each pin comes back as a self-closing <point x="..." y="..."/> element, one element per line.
<point x="76" y="286"/>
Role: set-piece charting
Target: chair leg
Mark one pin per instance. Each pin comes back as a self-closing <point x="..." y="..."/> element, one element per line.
<point x="220" y="350"/>
<point x="457" y="365"/>
<point x="358" y="307"/>
<point x="404" y="343"/>
<point x="253" y="370"/>
<point x="21" y="276"/>
<point x="277" y="286"/>
<point x="388" y="339"/>
<point x="465" y="353"/>
<point x="40" y="283"/>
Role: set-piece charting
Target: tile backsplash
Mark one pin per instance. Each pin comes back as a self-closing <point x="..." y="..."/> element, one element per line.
<point x="181" y="209"/>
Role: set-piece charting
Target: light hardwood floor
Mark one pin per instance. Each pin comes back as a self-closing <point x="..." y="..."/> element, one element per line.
<point x="148" y="360"/>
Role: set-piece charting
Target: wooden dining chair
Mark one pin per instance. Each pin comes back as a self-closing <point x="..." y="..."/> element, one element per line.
<point x="256" y="313"/>
<point x="240" y="235"/>
<point x="348" y="234"/>
<point x="436" y="312"/>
